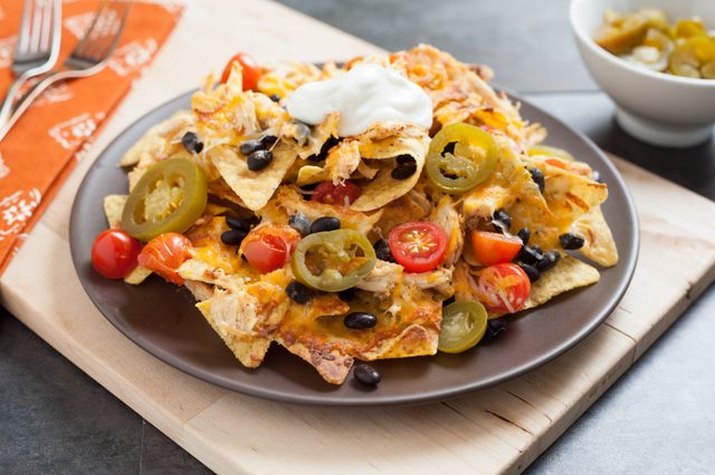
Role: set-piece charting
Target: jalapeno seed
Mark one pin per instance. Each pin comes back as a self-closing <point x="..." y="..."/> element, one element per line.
<point x="524" y="234"/>
<point x="299" y="293"/>
<point x="538" y="178"/>
<point x="403" y="172"/>
<point x="531" y="271"/>
<point x="550" y="259"/>
<point x="249" y="146"/>
<point x="360" y="320"/>
<point x="259" y="160"/>
<point x="192" y="143"/>
<point x="300" y="223"/>
<point x="326" y="223"/>
<point x="366" y="374"/>
<point x="233" y="237"/>
<point x="237" y="224"/>
<point x="571" y="241"/>
<point x="382" y="250"/>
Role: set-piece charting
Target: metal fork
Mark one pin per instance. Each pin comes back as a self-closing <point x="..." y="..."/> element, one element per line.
<point x="87" y="58"/>
<point x="37" y="48"/>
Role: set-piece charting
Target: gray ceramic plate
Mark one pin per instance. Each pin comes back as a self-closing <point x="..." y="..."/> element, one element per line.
<point x="161" y="318"/>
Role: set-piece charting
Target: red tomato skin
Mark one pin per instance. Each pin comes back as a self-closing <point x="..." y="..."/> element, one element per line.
<point x="114" y="254"/>
<point x="494" y="248"/>
<point x="251" y="71"/>
<point x="268" y="248"/>
<point x="517" y="293"/>
<point x="331" y="194"/>
<point x="164" y="255"/>
<point x="428" y="260"/>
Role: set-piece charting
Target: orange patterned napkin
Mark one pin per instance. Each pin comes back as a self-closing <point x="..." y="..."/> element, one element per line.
<point x="43" y="147"/>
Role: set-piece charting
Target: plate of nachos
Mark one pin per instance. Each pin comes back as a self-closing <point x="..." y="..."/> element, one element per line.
<point x="389" y="230"/>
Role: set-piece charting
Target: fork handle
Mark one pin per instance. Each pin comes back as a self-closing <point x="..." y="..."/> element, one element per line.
<point x="38" y="88"/>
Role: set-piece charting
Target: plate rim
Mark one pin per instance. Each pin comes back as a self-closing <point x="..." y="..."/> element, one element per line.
<point x="325" y="399"/>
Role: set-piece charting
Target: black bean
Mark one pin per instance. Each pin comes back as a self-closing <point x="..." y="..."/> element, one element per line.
<point x="192" y="143"/>
<point x="302" y="133"/>
<point x="348" y="294"/>
<point x="233" y="237"/>
<point x="501" y="220"/>
<point x="275" y="97"/>
<point x="366" y="374"/>
<point x="360" y="320"/>
<point x="259" y="160"/>
<point x="405" y="159"/>
<point x="550" y="259"/>
<point x="524" y="234"/>
<point x="330" y="143"/>
<point x="326" y="223"/>
<point x="571" y="241"/>
<point x="538" y="178"/>
<point x="382" y="250"/>
<point x="495" y="327"/>
<point x="403" y="172"/>
<point x="237" y="223"/>
<point x="299" y="293"/>
<point x="531" y="271"/>
<point x="249" y="146"/>
<point x="267" y="141"/>
<point x="300" y="223"/>
<point x="530" y="255"/>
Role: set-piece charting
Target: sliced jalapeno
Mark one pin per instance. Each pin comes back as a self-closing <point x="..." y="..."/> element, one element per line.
<point x="472" y="161"/>
<point x="333" y="260"/>
<point x="169" y="197"/>
<point x="463" y="325"/>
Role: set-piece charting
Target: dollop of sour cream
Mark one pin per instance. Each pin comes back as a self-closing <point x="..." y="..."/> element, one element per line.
<point x="363" y="96"/>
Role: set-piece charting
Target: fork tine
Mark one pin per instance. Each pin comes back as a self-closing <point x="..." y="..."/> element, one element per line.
<point x="36" y="27"/>
<point x="46" y="26"/>
<point x="86" y="38"/>
<point x="105" y="31"/>
<point x="24" y="34"/>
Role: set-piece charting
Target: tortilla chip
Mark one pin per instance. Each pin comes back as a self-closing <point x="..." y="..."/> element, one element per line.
<point x="157" y="141"/>
<point x="383" y="188"/>
<point x="568" y="274"/>
<point x="599" y="245"/>
<point x="342" y="161"/>
<point x="113" y="208"/>
<point x="254" y="188"/>
<point x="138" y="275"/>
<point x="246" y="318"/>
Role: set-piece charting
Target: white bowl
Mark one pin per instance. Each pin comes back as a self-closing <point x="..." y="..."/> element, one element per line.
<point x="655" y="107"/>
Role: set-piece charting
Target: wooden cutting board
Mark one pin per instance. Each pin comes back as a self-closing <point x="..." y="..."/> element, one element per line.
<point x="501" y="429"/>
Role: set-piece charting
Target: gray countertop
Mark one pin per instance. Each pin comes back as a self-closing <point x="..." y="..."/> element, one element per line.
<point x="658" y="418"/>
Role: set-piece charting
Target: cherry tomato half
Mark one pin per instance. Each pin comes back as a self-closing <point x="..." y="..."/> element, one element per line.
<point x="419" y="246"/>
<point x="268" y="248"/>
<point x="164" y="255"/>
<point x="114" y="254"/>
<point x="251" y="71"/>
<point x="503" y="288"/>
<point x="494" y="248"/>
<point x="343" y="194"/>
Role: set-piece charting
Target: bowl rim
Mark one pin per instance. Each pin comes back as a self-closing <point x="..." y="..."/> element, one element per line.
<point x="618" y="62"/>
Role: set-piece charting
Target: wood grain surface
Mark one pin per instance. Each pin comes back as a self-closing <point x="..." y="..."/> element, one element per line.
<point x="501" y="429"/>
